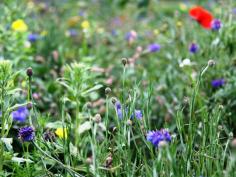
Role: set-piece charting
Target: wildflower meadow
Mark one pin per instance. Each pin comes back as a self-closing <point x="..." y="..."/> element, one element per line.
<point x="118" y="88"/>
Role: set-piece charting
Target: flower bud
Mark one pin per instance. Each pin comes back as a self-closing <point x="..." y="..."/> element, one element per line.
<point x="89" y="160"/>
<point x="97" y="119"/>
<point x="124" y="61"/>
<point x="113" y="100"/>
<point x="107" y="90"/>
<point x="89" y="105"/>
<point x="29" y="72"/>
<point x="211" y="63"/>
<point x="29" y="105"/>
<point x="129" y="122"/>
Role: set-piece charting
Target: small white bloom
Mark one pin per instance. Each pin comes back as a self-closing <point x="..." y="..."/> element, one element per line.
<point x="185" y="62"/>
<point x="27" y="44"/>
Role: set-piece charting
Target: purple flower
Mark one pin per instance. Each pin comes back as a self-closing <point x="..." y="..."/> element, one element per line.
<point x="131" y="36"/>
<point x="20" y="114"/>
<point x="118" y="108"/>
<point x="33" y="37"/>
<point x="113" y="32"/>
<point x="154" y="47"/>
<point x="193" y="48"/>
<point x="26" y="134"/>
<point x="217" y="83"/>
<point x="72" y="32"/>
<point x="216" y="24"/>
<point x="138" y="114"/>
<point x="155" y="137"/>
<point x="234" y="11"/>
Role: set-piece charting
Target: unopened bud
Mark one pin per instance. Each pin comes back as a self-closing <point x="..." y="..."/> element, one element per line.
<point x="29" y="105"/>
<point x="97" y="118"/>
<point x="124" y="61"/>
<point x="107" y="91"/>
<point x="89" y="160"/>
<point x="113" y="100"/>
<point x="220" y="127"/>
<point x="211" y="63"/>
<point x="231" y="135"/>
<point x="29" y="72"/>
<point x="221" y="107"/>
<point x="89" y="105"/>
<point x="129" y="122"/>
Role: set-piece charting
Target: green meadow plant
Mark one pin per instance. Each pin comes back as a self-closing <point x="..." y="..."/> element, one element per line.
<point x="81" y="109"/>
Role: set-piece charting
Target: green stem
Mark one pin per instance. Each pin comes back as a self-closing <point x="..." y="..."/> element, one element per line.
<point x="29" y="98"/>
<point x="72" y="172"/>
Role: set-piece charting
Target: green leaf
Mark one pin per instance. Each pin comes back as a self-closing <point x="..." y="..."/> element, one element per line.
<point x="7" y="142"/>
<point x="54" y="125"/>
<point x="96" y="87"/>
<point x="21" y="160"/>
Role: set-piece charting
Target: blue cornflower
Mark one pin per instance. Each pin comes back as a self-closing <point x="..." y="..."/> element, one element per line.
<point x="216" y="24"/>
<point x="72" y="32"/>
<point x="20" y="114"/>
<point x="193" y="48"/>
<point x="218" y="83"/>
<point x="137" y="114"/>
<point x="154" y="47"/>
<point x="158" y="136"/>
<point x="26" y="134"/>
<point x="234" y="11"/>
<point x="33" y="37"/>
<point x="118" y="108"/>
<point x="131" y="36"/>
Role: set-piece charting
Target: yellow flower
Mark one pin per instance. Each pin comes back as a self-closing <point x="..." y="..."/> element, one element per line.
<point x="183" y="7"/>
<point x="85" y="24"/>
<point x="156" y="32"/>
<point x="100" y="30"/>
<point x="19" y="25"/>
<point x="179" y="24"/>
<point x="60" y="132"/>
<point x="44" y="33"/>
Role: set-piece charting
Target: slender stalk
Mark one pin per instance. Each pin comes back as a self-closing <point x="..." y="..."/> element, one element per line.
<point x="29" y="97"/>
<point x="72" y="172"/>
<point x="2" y="125"/>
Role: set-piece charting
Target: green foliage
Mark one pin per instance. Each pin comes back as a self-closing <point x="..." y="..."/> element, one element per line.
<point x="78" y="80"/>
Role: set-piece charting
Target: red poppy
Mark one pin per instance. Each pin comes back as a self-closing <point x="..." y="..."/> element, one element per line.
<point x="202" y="16"/>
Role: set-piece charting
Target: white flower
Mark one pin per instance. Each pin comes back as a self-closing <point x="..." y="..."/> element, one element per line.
<point x="185" y="62"/>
